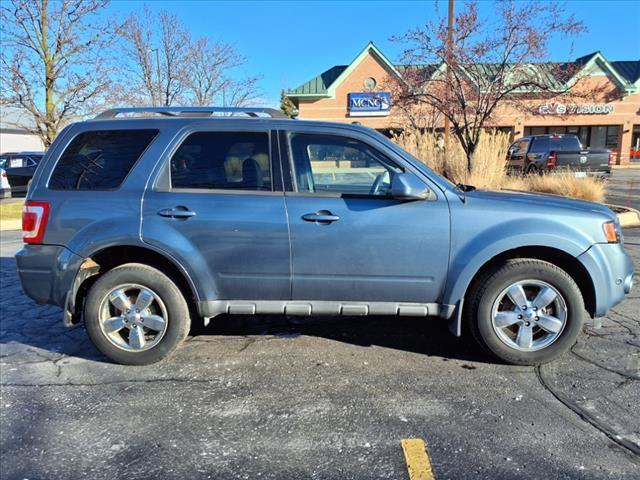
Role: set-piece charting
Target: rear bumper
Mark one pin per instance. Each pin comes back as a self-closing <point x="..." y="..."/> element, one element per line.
<point x="47" y="272"/>
<point x="612" y="273"/>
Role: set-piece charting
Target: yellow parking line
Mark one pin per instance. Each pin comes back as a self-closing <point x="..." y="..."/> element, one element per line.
<point x="417" y="457"/>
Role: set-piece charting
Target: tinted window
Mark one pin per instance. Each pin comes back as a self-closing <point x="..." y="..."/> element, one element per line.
<point x="17" y="162"/>
<point x="223" y="160"/>
<point x="540" y="145"/>
<point x="326" y="163"/>
<point x="564" y="143"/>
<point x="520" y="147"/>
<point x="99" y="160"/>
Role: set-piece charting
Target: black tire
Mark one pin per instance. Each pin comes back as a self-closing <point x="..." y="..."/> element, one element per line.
<point x="532" y="170"/>
<point x="486" y="290"/>
<point x="178" y="319"/>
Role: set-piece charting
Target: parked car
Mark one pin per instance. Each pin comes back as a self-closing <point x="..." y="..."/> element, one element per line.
<point x="5" y="188"/>
<point x="20" y="167"/>
<point x="142" y="225"/>
<point x="549" y="153"/>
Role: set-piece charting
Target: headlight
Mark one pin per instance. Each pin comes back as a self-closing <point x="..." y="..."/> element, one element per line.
<point x="611" y="232"/>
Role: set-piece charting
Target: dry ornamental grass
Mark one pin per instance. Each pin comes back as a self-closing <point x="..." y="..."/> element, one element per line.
<point x="489" y="166"/>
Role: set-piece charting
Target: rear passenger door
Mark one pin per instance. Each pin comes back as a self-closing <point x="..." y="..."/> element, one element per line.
<point x="218" y="207"/>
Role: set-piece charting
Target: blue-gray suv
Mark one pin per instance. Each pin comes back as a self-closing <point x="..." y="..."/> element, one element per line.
<point x="142" y="221"/>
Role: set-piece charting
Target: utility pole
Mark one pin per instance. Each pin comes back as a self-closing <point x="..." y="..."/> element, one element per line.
<point x="447" y="126"/>
<point x="158" y="73"/>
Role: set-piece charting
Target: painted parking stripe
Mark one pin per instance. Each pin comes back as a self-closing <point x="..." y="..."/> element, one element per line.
<point x="417" y="457"/>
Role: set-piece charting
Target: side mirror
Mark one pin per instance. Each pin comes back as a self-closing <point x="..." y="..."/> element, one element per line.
<point x="406" y="186"/>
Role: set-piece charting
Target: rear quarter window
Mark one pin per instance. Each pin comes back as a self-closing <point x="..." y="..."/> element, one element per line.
<point x="100" y="160"/>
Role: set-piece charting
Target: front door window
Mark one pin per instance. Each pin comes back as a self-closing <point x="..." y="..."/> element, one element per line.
<point x="332" y="164"/>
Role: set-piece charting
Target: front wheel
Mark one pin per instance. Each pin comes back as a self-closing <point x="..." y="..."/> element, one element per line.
<point x="526" y="312"/>
<point x="136" y="315"/>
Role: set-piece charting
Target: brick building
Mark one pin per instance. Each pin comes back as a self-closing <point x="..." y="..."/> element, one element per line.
<point x="359" y="92"/>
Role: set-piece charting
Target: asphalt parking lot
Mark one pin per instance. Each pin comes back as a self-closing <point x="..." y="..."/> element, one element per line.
<point x="624" y="187"/>
<point x="281" y="398"/>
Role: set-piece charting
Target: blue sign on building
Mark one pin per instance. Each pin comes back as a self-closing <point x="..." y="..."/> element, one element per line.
<point x="369" y="104"/>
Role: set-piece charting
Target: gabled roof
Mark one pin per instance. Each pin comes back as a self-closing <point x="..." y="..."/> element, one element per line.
<point x="625" y="73"/>
<point x="324" y="85"/>
<point x="318" y="86"/>
<point x="628" y="69"/>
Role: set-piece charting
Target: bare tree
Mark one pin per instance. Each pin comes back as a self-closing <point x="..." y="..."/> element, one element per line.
<point x="242" y="92"/>
<point x="52" y="60"/>
<point x="158" y="50"/>
<point x="491" y="63"/>
<point x="210" y="63"/>
<point x="165" y="66"/>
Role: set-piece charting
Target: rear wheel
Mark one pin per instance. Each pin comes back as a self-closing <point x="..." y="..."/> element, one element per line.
<point x="532" y="170"/>
<point x="136" y="315"/>
<point x="526" y="312"/>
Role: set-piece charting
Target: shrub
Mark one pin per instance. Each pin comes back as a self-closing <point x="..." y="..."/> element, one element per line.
<point x="489" y="166"/>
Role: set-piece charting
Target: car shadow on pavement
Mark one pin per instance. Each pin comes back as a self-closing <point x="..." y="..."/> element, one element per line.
<point x="40" y="327"/>
<point x="428" y="336"/>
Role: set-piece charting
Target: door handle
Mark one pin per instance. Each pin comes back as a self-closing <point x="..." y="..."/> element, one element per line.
<point x="324" y="217"/>
<point x="177" y="212"/>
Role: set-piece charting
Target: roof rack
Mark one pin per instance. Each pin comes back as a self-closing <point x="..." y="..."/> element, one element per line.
<point x="193" y="112"/>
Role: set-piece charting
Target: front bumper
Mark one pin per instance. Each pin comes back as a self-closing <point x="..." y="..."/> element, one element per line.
<point x="611" y="270"/>
<point x="47" y="272"/>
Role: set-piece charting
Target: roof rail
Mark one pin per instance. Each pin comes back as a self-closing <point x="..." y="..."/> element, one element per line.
<point x="192" y="111"/>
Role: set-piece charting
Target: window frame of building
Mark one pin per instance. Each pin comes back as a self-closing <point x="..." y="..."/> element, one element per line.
<point x="166" y="182"/>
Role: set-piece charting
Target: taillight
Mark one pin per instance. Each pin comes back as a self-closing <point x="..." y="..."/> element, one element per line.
<point x="552" y="161"/>
<point x="34" y="221"/>
<point x="612" y="158"/>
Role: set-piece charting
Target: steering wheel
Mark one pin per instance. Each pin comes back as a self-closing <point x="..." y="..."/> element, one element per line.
<point x="377" y="183"/>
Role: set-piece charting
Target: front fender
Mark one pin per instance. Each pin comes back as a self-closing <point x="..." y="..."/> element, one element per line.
<point x="469" y="256"/>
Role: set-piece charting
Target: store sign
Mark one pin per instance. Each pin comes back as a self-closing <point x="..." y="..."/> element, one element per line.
<point x="555" y="108"/>
<point x="369" y="104"/>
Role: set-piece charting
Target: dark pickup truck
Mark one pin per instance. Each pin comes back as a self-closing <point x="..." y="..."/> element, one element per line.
<point x="547" y="153"/>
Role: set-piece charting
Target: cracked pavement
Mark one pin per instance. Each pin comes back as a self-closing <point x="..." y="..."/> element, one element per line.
<point x="274" y="397"/>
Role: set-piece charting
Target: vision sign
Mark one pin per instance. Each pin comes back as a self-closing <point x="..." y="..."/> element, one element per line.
<point x="555" y="108"/>
<point x="369" y="104"/>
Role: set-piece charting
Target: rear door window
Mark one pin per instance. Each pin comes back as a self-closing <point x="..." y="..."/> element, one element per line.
<point x="100" y="160"/>
<point x="520" y="147"/>
<point x="540" y="145"/>
<point x="223" y="161"/>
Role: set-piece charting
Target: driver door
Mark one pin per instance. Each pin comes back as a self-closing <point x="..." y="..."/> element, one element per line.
<point x="350" y="239"/>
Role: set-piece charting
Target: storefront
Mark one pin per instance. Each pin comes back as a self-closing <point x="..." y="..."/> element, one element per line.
<point x="360" y="92"/>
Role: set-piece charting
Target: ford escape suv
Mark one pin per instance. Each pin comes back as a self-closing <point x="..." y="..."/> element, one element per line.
<point x="141" y="221"/>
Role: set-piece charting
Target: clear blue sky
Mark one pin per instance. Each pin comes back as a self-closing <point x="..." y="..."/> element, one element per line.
<point x="288" y="43"/>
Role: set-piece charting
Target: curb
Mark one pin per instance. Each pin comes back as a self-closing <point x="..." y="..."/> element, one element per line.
<point x="10" y="225"/>
<point x="629" y="217"/>
<point x="626" y="166"/>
